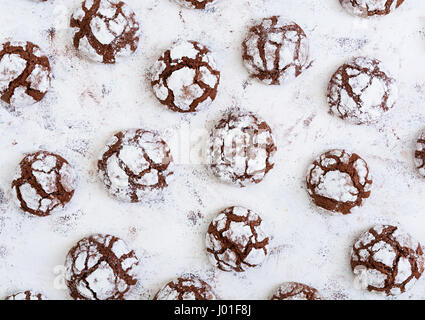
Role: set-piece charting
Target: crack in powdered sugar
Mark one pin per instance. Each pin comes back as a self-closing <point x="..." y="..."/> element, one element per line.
<point x="185" y="78"/>
<point x="387" y="260"/>
<point x="196" y="4"/>
<point x="338" y="181"/>
<point x="276" y="51"/>
<point x="241" y="148"/>
<point x="361" y="91"/>
<point x="368" y="8"/>
<point x="186" y="287"/>
<point x="235" y="240"/>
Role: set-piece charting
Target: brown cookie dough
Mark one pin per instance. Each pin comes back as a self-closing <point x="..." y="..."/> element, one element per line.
<point x="361" y="91"/>
<point x="235" y="240"/>
<point x="295" y="291"/>
<point x="25" y="73"/>
<point x="420" y="153"/>
<point x="241" y="148"/>
<point x="196" y="4"/>
<point x="338" y="181"/>
<point x="369" y="8"/>
<point x="100" y="267"/>
<point x="185" y="78"/>
<point x="276" y="51"/>
<point x="387" y="260"/>
<point x="105" y="30"/>
<point x="135" y="165"/>
<point x="186" y="287"/>
<point x="26" y="295"/>
<point x="45" y="182"/>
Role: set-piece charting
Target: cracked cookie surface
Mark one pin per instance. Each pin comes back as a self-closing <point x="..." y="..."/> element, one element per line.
<point x="276" y="51"/>
<point x="387" y="260"/>
<point x="100" y="267"/>
<point x="420" y="153"/>
<point x="25" y="73"/>
<point x="295" y="291"/>
<point x="45" y="182"/>
<point x="186" y="287"/>
<point x="26" y="295"/>
<point x="185" y="78"/>
<point x="368" y="8"/>
<point x="135" y="165"/>
<point x="338" y="181"/>
<point x="105" y="30"/>
<point x="235" y="240"/>
<point x="241" y="148"/>
<point x="361" y="91"/>
<point x="196" y="4"/>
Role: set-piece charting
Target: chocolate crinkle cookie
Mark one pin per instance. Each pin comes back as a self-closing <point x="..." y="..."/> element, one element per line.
<point x="420" y="153"/>
<point x="387" y="260"/>
<point x="135" y="165"/>
<point x="100" y="267"/>
<point x="25" y="73"/>
<point x="369" y="8"/>
<point x="26" y="295"/>
<point x="241" y="148"/>
<point x="186" y="287"/>
<point x="45" y="182"/>
<point x="235" y="240"/>
<point x="196" y="4"/>
<point x="105" y="30"/>
<point x="338" y="181"/>
<point x="296" y="291"/>
<point x="361" y="91"/>
<point x="276" y="51"/>
<point x="185" y="78"/>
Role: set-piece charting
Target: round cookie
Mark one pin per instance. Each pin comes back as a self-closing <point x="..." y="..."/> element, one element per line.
<point x="185" y="78"/>
<point x="387" y="260"/>
<point x="241" y="148"/>
<point x="361" y="91"/>
<point x="196" y="4"/>
<point x="420" y="153"/>
<point x="369" y="8"/>
<point x="100" y="267"/>
<point x="295" y="291"/>
<point x="45" y="182"/>
<point x="187" y="287"/>
<point x="338" y="181"/>
<point x="26" y="295"/>
<point x="276" y="51"/>
<point x="235" y="240"/>
<point x="135" y="165"/>
<point x="104" y="30"/>
<point x="25" y="73"/>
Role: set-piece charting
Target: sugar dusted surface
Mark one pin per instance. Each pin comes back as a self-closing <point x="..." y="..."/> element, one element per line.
<point x="89" y="102"/>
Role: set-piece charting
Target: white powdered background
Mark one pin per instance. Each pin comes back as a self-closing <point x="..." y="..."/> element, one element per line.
<point x="89" y="102"/>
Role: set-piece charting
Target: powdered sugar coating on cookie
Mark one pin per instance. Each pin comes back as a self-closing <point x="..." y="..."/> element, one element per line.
<point x="45" y="182"/>
<point x="387" y="260"/>
<point x="186" y="287"/>
<point x="235" y="240"/>
<point x="25" y="74"/>
<point x="105" y="30"/>
<point x="368" y="8"/>
<point x="338" y="181"/>
<point x="241" y="148"/>
<point x="196" y="4"/>
<point x="135" y="165"/>
<point x="185" y="78"/>
<point x="100" y="267"/>
<point x="276" y="51"/>
<point x="361" y="91"/>
<point x="420" y="153"/>
<point x="295" y="291"/>
<point x="26" y="295"/>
